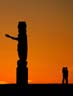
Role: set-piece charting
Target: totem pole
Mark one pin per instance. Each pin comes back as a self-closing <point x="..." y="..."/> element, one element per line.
<point x="22" y="70"/>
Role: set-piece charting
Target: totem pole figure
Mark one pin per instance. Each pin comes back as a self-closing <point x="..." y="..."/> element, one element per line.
<point x="22" y="70"/>
<point x="65" y="75"/>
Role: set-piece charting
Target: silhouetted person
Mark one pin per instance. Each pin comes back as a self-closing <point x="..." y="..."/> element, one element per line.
<point x="22" y="41"/>
<point x="65" y="75"/>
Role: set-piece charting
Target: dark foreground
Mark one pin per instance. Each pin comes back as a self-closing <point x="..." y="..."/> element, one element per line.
<point x="37" y="90"/>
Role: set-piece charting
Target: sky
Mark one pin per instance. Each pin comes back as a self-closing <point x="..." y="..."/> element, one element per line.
<point x="50" y="39"/>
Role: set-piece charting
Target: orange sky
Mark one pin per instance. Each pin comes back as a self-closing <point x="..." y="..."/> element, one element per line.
<point x="50" y="39"/>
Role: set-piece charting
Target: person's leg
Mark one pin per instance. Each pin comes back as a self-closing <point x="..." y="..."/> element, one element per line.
<point x="66" y="80"/>
<point x="63" y="81"/>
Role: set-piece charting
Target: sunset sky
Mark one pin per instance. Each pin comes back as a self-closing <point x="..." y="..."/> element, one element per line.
<point x="50" y="39"/>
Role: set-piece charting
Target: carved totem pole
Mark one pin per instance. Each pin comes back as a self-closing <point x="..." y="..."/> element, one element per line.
<point x="22" y="70"/>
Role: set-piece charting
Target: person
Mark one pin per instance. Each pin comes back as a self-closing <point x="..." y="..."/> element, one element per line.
<point x="65" y="75"/>
<point x="22" y="41"/>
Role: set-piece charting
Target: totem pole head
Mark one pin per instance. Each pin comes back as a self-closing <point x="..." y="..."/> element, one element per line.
<point x="21" y="26"/>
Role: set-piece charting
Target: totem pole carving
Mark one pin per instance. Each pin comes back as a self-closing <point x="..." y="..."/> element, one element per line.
<point x="22" y="70"/>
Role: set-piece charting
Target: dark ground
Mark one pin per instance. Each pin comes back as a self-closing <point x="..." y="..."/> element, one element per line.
<point x="37" y="90"/>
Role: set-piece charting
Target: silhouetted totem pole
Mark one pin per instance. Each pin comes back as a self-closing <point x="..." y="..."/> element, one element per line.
<point x="22" y="70"/>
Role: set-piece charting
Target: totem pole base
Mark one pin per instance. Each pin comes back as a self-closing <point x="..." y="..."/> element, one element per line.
<point x="22" y="73"/>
